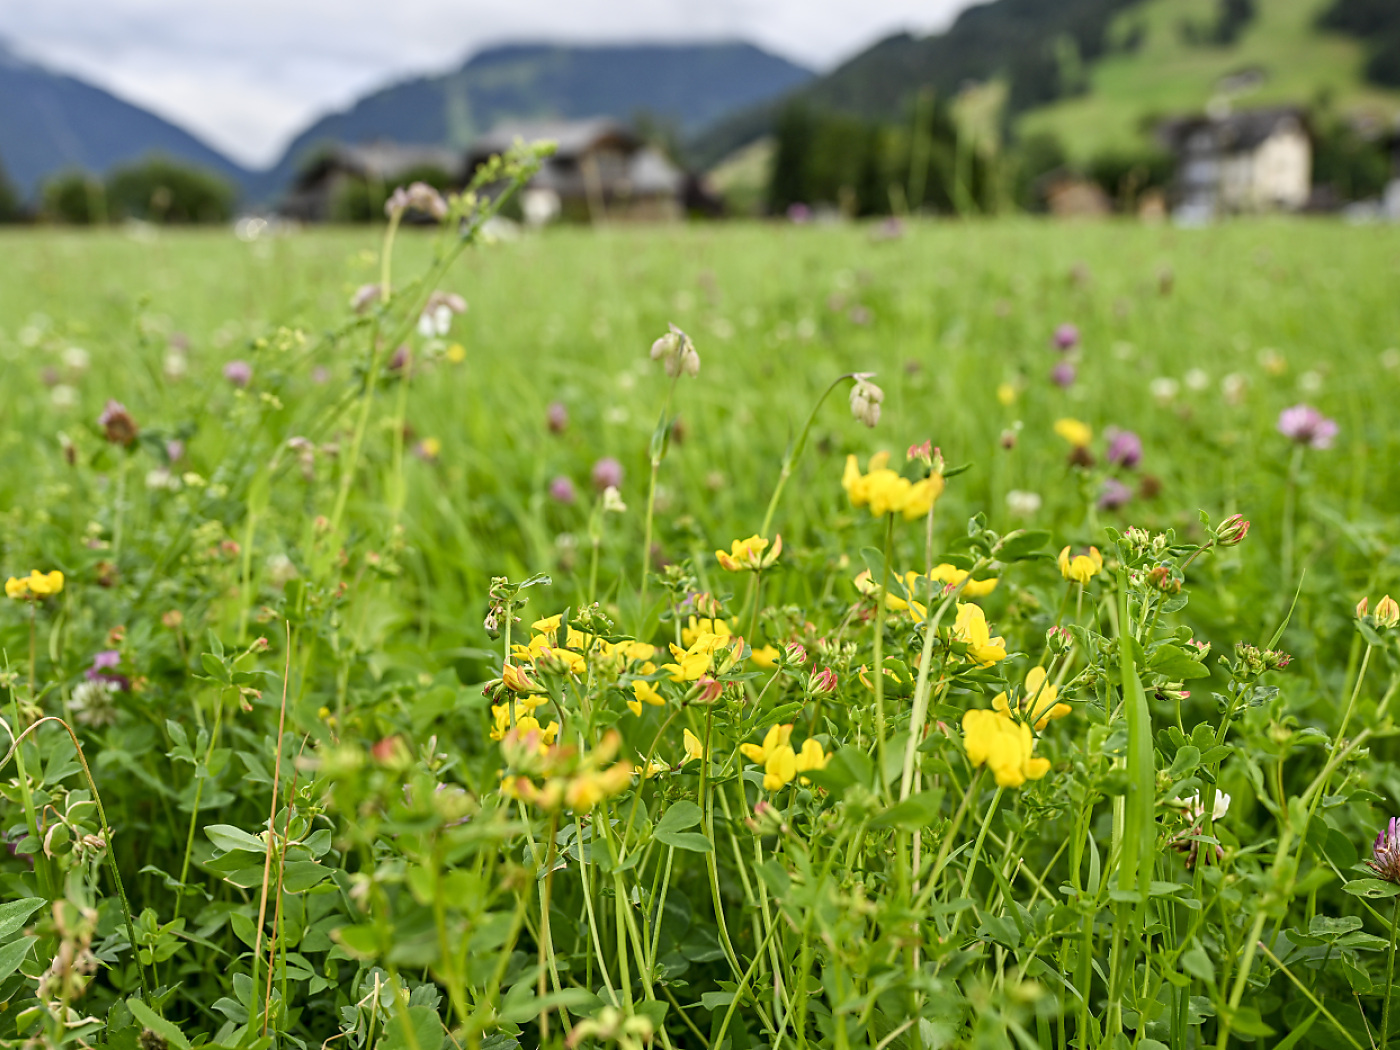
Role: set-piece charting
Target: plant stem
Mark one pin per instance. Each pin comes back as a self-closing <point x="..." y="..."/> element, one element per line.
<point x="879" y="657"/>
<point x="1389" y="975"/>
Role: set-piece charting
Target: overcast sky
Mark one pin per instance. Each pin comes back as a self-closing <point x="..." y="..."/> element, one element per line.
<point x="248" y="74"/>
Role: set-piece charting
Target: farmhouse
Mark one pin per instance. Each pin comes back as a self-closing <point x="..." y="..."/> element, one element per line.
<point x="1246" y="161"/>
<point x="600" y="170"/>
<point x="341" y="182"/>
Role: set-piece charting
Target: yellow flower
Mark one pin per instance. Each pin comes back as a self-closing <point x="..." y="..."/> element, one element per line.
<point x="1076" y="433"/>
<point x="644" y="692"/>
<point x="1005" y="746"/>
<point x="516" y="680"/>
<point x="779" y="769"/>
<point x="548" y="625"/>
<point x="1082" y="567"/>
<point x="1006" y="394"/>
<point x="692" y="663"/>
<point x="37" y="584"/>
<point x="776" y="737"/>
<point x="811" y="757"/>
<point x="456" y="353"/>
<point x="591" y="787"/>
<point x="16" y="588"/>
<point x="971" y="628"/>
<point x="748" y="555"/>
<point x="431" y="446"/>
<point x="886" y="492"/>
<point x="694" y="749"/>
<point x="766" y="658"/>
<point x="695" y="627"/>
<point x="1038" y="702"/>
<point x="951" y="576"/>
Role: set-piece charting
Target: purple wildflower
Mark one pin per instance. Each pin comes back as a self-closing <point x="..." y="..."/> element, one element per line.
<point x="1307" y="426"/>
<point x="102" y="669"/>
<point x="799" y="213"/>
<point x="561" y="490"/>
<point x="239" y="373"/>
<point x="1066" y="337"/>
<point x="607" y="474"/>
<point x="1114" y="494"/>
<point x="1386" y="862"/>
<point x="1124" y="448"/>
<point x="1063" y="374"/>
<point x="557" y="416"/>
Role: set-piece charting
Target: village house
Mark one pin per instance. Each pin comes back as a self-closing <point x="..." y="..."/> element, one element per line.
<point x="343" y="183"/>
<point x="599" y="170"/>
<point x="1236" y="162"/>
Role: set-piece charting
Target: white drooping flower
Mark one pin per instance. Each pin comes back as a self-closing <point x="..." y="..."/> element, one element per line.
<point x="1194" y="809"/>
<point x="865" y="400"/>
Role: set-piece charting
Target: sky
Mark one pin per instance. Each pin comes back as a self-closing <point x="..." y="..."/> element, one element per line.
<point x="247" y="75"/>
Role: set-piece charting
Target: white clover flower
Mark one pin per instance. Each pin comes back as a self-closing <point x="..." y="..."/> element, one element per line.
<point x="1310" y="382"/>
<point x="1164" y="388"/>
<point x="865" y="399"/>
<point x="63" y="396"/>
<point x="92" y="703"/>
<point x="1194" y="809"/>
<point x="612" y="501"/>
<point x="162" y="480"/>
<point x="176" y="365"/>
<point x="1234" y="386"/>
<point x="1197" y="379"/>
<point x="77" y="359"/>
<point x="1022" y="504"/>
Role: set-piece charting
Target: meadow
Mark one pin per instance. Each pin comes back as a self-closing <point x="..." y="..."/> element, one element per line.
<point x="357" y="720"/>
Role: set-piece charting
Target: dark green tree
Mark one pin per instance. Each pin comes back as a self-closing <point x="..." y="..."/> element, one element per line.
<point x="11" y="208"/>
<point x="792" y="157"/>
<point x="166" y="191"/>
<point x="74" y="197"/>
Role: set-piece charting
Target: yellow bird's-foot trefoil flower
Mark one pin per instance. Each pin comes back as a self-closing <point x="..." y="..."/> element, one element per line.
<point x="884" y="491"/>
<point x="1006" y="747"/>
<point x="1037" y="703"/>
<point x="750" y="555"/>
<point x="971" y="629"/>
<point x="1082" y="567"/>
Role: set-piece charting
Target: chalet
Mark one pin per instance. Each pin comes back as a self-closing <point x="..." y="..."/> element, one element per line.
<point x="600" y="170"/>
<point x="1247" y="161"/>
<point x="341" y="182"/>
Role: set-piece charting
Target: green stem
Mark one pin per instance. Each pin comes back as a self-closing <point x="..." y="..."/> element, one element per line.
<point x="879" y="656"/>
<point x="1389" y="976"/>
<point x="794" y="454"/>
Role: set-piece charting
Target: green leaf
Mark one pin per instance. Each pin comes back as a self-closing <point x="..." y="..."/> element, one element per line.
<point x="13" y="914"/>
<point x="12" y="954"/>
<point x="427" y="1030"/>
<point x="917" y="811"/>
<point x="1197" y="963"/>
<point x="690" y="840"/>
<point x="156" y="1023"/>
<point x="679" y="816"/>
<point x="1026" y="545"/>
<point x="1173" y="662"/>
<point x="1371" y="889"/>
<point x="227" y="837"/>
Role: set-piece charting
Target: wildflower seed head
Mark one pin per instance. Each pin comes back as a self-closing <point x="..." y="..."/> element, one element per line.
<point x="676" y="350"/>
<point x="1386" y="852"/>
<point x="117" y="425"/>
<point x="417" y="196"/>
<point x="865" y="400"/>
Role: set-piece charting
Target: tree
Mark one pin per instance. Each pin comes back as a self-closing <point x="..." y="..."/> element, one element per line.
<point x="11" y="209"/>
<point x="165" y="191"/>
<point x="74" y="197"/>
<point x="791" y="159"/>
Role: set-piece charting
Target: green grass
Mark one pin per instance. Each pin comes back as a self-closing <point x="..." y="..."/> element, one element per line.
<point x="1167" y="76"/>
<point x="991" y="915"/>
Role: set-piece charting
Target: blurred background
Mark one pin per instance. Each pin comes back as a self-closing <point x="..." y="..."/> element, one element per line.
<point x="303" y="111"/>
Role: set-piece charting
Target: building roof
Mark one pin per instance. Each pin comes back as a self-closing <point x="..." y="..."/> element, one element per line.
<point x="385" y="161"/>
<point x="1241" y="130"/>
<point x="571" y="137"/>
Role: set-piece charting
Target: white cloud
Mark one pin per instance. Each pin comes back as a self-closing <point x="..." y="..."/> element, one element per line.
<point x="248" y="74"/>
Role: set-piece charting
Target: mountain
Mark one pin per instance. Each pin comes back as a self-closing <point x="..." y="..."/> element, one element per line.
<point x="682" y="86"/>
<point x="50" y="121"/>
<point x="1094" y="72"/>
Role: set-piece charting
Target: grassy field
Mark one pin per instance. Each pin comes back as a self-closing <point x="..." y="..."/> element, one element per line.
<point x="283" y="608"/>
<point x="1168" y="76"/>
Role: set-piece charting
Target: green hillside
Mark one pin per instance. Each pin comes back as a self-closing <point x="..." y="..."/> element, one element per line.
<point x="1166" y="72"/>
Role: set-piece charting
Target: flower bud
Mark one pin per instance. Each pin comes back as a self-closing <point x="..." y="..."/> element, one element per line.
<point x="1387" y="612"/>
<point x="822" y="683"/>
<point x="1362" y="607"/>
<point x="707" y="690"/>
<point x="795" y="652"/>
<point x="865" y="400"/>
<point x="677" y="351"/>
<point x="1059" y="640"/>
<point x="1232" y="531"/>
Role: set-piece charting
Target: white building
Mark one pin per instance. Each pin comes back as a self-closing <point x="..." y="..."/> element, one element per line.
<point x="1250" y="161"/>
